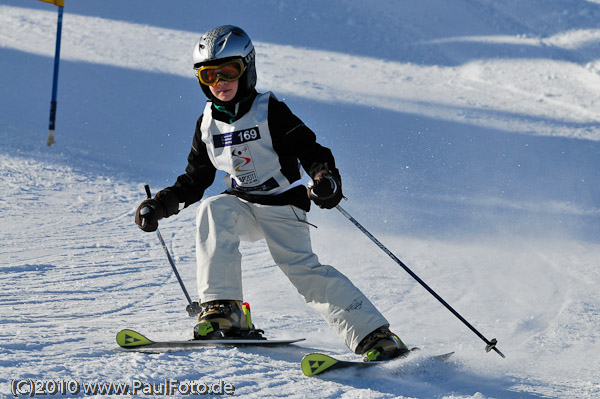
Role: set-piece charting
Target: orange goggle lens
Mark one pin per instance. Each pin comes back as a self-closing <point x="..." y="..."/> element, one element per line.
<point x="229" y="71"/>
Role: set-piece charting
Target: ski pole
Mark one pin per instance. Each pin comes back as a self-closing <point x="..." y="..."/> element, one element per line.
<point x="491" y="345"/>
<point x="193" y="308"/>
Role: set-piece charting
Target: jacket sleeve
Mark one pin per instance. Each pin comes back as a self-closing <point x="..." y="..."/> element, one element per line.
<point x="295" y="141"/>
<point x="199" y="175"/>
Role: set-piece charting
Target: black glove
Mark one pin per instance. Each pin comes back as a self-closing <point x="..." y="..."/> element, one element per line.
<point x="325" y="190"/>
<point x="150" y="211"/>
<point x="148" y="214"/>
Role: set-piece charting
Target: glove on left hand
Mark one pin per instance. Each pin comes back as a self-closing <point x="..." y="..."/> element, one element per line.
<point x="325" y="190"/>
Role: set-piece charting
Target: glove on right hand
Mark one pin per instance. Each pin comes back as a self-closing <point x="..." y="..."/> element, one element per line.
<point x="148" y="214"/>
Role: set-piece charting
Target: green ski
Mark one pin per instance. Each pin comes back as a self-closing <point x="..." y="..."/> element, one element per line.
<point x="318" y="363"/>
<point x="134" y="341"/>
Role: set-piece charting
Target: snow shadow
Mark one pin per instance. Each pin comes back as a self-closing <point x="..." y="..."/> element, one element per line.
<point x="423" y="32"/>
<point x="429" y="176"/>
<point x="422" y="175"/>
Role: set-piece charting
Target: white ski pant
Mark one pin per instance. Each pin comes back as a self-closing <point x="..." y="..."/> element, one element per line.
<point x="223" y="220"/>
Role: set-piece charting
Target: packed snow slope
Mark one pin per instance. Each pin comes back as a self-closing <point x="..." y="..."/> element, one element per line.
<point x="468" y="137"/>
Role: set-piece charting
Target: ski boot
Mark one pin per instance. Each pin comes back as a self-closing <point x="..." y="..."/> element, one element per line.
<point x="381" y="344"/>
<point x="225" y="319"/>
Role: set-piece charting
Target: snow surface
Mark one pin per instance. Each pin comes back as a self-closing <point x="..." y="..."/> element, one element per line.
<point x="468" y="137"/>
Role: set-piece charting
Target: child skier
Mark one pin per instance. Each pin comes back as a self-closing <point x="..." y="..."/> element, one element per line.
<point x="261" y="145"/>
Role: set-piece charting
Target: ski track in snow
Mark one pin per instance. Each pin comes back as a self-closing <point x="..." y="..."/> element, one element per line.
<point x="75" y="269"/>
<point x="75" y="273"/>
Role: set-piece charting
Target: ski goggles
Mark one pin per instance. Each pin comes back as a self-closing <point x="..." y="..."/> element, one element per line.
<point x="229" y="71"/>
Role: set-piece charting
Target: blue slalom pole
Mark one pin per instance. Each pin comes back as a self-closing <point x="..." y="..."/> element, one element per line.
<point x="52" y="125"/>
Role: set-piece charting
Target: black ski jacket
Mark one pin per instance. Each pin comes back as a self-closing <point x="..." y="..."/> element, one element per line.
<point x="292" y="141"/>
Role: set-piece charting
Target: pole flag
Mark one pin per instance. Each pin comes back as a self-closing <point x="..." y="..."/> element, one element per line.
<point x="60" y="3"/>
<point x="52" y="124"/>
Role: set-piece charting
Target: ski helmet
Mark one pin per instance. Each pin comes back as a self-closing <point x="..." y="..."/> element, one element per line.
<point x="222" y="44"/>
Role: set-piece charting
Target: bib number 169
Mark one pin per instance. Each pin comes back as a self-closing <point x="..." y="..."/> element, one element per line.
<point x="247" y="135"/>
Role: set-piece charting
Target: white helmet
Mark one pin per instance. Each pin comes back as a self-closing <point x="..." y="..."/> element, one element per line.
<point x="225" y="43"/>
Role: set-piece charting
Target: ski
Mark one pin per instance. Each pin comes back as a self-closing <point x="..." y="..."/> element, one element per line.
<point x="134" y="341"/>
<point x="318" y="363"/>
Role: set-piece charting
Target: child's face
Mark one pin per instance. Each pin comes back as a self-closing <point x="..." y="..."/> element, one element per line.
<point x="224" y="91"/>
